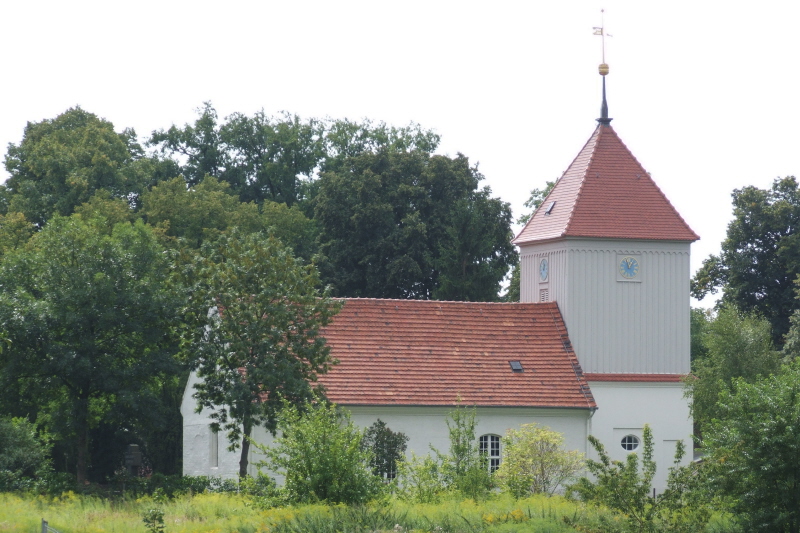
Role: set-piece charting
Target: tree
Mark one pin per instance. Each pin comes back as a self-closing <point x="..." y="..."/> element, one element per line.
<point x="321" y="456"/>
<point x="738" y="346"/>
<point x="199" y="146"/>
<point x="535" y="461"/>
<point x="625" y="489"/>
<point x="760" y="257"/>
<point x="61" y="162"/>
<point x="197" y="213"/>
<point x="15" y="230"/>
<point x="533" y="202"/>
<point x="259" y="346"/>
<point x="388" y="449"/>
<point x="269" y="155"/>
<point x="412" y="225"/>
<point x="89" y="322"/>
<point x="752" y="449"/>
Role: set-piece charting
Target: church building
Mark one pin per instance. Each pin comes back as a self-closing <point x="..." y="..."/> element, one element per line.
<point x="597" y="346"/>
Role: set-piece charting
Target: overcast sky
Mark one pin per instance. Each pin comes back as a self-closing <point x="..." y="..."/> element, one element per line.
<point x="705" y="94"/>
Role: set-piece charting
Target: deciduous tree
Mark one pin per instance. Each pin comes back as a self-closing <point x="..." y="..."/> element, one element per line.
<point x="412" y="225"/>
<point x="259" y="347"/>
<point x="61" y="162"/>
<point x="89" y="322"/>
<point x="760" y="257"/>
<point x="752" y="449"/>
<point x="738" y="346"/>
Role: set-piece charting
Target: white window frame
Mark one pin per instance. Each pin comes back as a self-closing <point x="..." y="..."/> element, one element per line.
<point x="489" y="445"/>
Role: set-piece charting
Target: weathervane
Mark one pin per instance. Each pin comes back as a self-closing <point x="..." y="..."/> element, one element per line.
<point x="601" y="31"/>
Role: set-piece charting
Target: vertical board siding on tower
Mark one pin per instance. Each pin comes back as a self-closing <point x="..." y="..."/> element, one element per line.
<point x="616" y="326"/>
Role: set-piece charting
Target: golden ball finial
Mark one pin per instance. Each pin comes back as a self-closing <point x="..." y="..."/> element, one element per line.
<point x="603" y="69"/>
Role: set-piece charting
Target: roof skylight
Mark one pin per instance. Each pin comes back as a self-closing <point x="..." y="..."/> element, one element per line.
<point x="516" y="366"/>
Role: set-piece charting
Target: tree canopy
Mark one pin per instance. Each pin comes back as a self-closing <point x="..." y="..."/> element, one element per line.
<point x="753" y="447"/>
<point x="412" y="225"/>
<point x="88" y="320"/>
<point x="760" y="258"/>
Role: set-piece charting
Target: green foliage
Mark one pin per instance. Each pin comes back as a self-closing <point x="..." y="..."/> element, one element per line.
<point x="199" y="213"/>
<point x="535" y="200"/>
<point x="23" y="453"/>
<point x="61" y="162"/>
<point x="752" y="449"/>
<point x="269" y="155"/>
<point x="760" y="257"/>
<point x="699" y="321"/>
<point x="421" y="479"/>
<point x="154" y="520"/>
<point x="535" y="461"/>
<point x="388" y="449"/>
<point x="84" y="306"/>
<point x="465" y="469"/>
<point x="625" y="488"/>
<point x="199" y="145"/>
<point x="253" y="319"/>
<point x="321" y="456"/>
<point x="737" y="345"/>
<point x="15" y="230"/>
<point x="412" y="225"/>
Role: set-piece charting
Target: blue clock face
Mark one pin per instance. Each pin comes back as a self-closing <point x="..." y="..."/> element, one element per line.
<point x="629" y="267"/>
<point x="543" y="269"/>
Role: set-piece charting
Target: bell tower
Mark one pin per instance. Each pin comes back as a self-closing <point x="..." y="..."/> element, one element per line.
<point x="608" y="246"/>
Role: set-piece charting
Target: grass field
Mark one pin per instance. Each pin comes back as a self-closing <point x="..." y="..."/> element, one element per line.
<point x="227" y="513"/>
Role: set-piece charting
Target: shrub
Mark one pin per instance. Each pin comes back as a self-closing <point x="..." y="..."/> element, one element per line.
<point x="321" y="457"/>
<point x="387" y="447"/>
<point x="24" y="455"/>
<point x="535" y="461"/>
<point x="465" y="469"/>
<point x="422" y="480"/>
<point x="624" y="489"/>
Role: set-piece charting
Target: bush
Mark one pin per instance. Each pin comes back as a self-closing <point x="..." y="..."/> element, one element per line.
<point x="624" y="489"/>
<point x="321" y="457"/>
<point x="465" y="469"/>
<point x="535" y="461"/>
<point x="753" y="449"/>
<point x="24" y="455"/>
<point x="421" y="480"/>
<point x="387" y="447"/>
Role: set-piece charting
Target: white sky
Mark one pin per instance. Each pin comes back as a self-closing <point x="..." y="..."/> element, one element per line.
<point x="705" y="94"/>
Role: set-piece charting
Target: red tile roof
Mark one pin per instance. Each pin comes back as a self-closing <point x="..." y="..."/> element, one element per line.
<point x="636" y="378"/>
<point x="415" y="352"/>
<point x="606" y="193"/>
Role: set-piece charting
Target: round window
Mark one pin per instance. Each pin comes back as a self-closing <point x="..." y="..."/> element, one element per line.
<point x="630" y="442"/>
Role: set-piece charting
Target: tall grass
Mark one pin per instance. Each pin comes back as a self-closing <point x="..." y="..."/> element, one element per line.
<point x="228" y="513"/>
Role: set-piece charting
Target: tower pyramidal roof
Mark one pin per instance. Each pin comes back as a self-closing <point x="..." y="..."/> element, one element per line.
<point x="605" y="193"/>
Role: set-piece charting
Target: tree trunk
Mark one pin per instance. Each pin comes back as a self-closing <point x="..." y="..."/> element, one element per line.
<point x="247" y="430"/>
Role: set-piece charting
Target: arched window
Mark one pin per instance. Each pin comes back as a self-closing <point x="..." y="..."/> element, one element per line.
<point x="489" y="446"/>
<point x="630" y="443"/>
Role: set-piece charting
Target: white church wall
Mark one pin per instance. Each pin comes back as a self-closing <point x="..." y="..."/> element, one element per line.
<point x="624" y="409"/>
<point x="204" y="452"/>
<point x="425" y="427"/>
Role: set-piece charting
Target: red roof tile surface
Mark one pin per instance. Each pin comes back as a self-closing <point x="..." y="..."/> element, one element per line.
<point x="414" y="352"/>
<point x="606" y="193"/>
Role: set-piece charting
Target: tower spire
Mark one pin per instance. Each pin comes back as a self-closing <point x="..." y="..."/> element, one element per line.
<point x="603" y="120"/>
